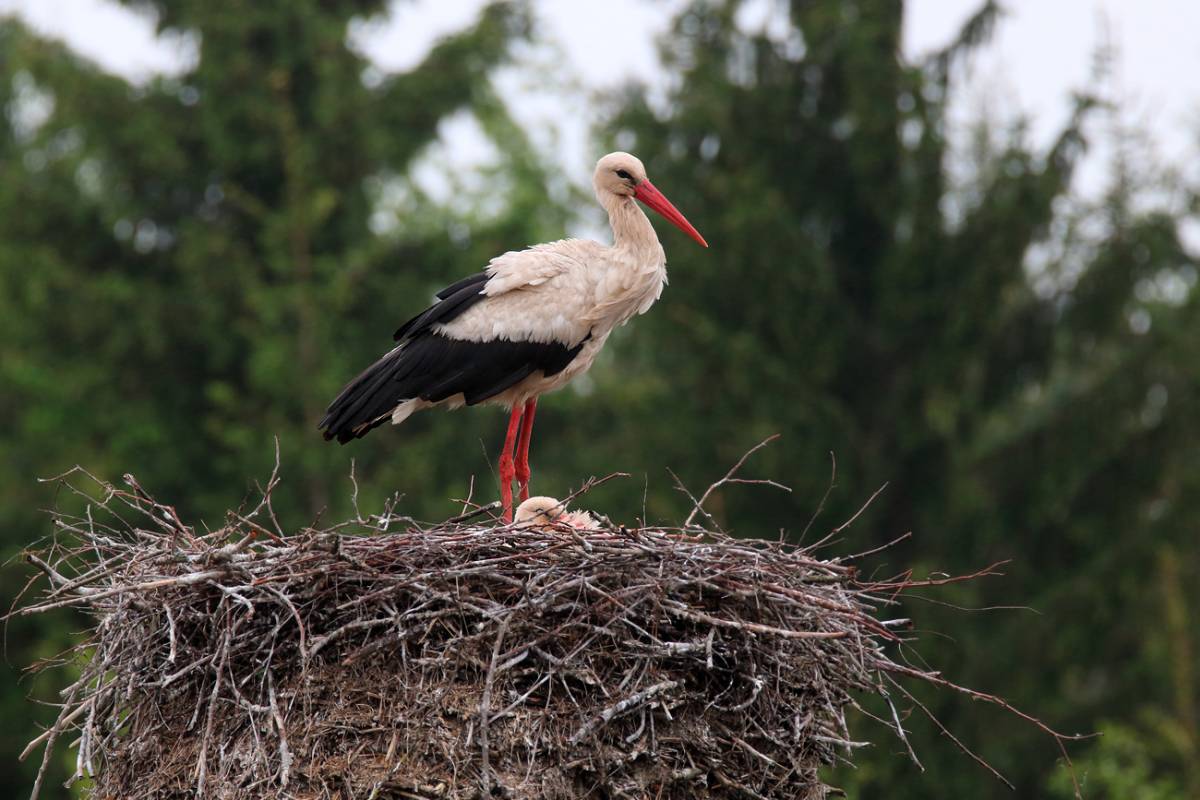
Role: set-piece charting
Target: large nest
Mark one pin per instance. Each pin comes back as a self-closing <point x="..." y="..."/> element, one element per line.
<point x="454" y="661"/>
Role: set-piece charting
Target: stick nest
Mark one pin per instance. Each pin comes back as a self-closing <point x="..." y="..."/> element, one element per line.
<point x="460" y="660"/>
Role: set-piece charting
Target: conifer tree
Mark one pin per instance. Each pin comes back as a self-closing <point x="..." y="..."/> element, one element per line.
<point x="191" y="268"/>
<point x="1017" y="364"/>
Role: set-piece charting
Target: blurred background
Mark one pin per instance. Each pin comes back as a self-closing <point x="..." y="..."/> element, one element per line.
<point x="954" y="243"/>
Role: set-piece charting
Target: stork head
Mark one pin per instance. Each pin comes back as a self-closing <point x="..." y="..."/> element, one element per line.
<point x="623" y="175"/>
<point x="539" y="511"/>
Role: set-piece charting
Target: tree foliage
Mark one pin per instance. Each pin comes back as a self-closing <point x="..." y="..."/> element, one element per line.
<point x="191" y="268"/>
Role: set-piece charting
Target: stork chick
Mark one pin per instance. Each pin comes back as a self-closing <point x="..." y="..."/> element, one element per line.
<point x="546" y="512"/>
<point x="527" y="324"/>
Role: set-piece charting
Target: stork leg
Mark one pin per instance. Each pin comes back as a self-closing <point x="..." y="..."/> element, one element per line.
<point x="507" y="469"/>
<point x="522" y="465"/>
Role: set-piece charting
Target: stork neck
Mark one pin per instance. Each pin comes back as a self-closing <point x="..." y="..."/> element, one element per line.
<point x="631" y="228"/>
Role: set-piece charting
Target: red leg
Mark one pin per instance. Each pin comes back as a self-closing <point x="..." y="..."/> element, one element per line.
<point x="522" y="465"/>
<point x="507" y="470"/>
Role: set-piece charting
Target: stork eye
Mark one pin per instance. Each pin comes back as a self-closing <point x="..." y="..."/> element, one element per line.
<point x="624" y="175"/>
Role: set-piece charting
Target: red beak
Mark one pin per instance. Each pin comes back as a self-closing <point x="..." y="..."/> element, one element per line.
<point x="652" y="197"/>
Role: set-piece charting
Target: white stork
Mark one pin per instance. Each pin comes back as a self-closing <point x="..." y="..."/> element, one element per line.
<point x="526" y="325"/>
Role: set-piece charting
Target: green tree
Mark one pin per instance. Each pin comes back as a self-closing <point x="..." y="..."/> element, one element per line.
<point x="1018" y="365"/>
<point x="193" y="267"/>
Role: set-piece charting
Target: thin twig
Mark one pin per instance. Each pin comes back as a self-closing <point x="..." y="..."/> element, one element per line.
<point x="729" y="478"/>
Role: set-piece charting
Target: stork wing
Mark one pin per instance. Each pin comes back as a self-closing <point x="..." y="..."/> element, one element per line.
<point x="487" y="333"/>
<point x="453" y="300"/>
<point x="535" y="266"/>
<point x="510" y="272"/>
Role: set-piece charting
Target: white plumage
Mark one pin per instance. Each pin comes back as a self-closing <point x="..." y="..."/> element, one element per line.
<point x="530" y="323"/>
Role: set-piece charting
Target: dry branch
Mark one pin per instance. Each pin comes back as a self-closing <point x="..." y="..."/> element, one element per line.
<point x="383" y="659"/>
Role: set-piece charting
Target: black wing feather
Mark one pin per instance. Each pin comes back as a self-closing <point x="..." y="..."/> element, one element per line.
<point x="477" y="280"/>
<point x="455" y="299"/>
<point x="433" y="367"/>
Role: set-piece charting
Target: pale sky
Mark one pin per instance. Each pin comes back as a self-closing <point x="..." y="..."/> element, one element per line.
<point x="1044" y="49"/>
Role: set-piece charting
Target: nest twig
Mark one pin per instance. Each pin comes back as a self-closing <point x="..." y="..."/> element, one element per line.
<point x="460" y="660"/>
